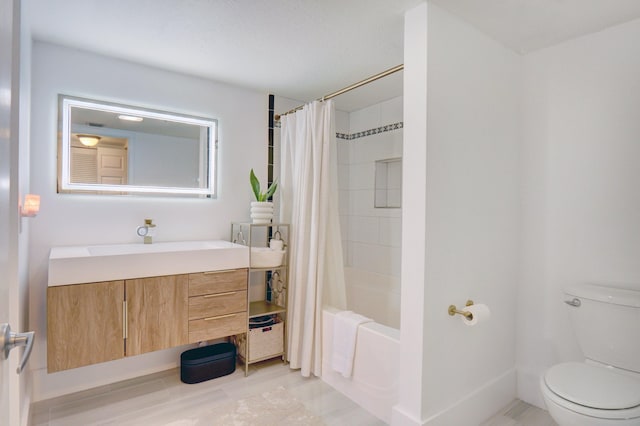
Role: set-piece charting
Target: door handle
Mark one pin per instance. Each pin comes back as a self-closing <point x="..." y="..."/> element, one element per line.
<point x="10" y="340"/>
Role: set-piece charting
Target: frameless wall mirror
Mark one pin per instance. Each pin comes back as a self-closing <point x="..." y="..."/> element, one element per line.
<point x="117" y="149"/>
<point x="388" y="185"/>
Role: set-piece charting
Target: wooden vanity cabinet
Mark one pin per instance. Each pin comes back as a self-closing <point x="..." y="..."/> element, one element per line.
<point x="97" y="322"/>
<point x="217" y="304"/>
<point x="84" y="324"/>
<point x="156" y="313"/>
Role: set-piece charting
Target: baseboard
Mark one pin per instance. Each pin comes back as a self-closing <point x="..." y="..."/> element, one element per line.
<point x="529" y="388"/>
<point x="479" y="405"/>
<point x="400" y="417"/>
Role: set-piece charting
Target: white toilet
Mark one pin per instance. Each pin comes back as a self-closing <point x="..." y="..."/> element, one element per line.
<point x="605" y="389"/>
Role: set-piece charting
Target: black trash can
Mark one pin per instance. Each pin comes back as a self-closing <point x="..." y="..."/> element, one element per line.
<point x="207" y="362"/>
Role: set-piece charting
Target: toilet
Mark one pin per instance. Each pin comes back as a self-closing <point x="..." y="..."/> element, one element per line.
<point x="605" y="388"/>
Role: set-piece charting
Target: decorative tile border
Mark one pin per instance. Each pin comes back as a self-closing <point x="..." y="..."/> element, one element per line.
<point x="364" y="133"/>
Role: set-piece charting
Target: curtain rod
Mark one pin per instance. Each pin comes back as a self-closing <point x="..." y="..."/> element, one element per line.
<point x="348" y="88"/>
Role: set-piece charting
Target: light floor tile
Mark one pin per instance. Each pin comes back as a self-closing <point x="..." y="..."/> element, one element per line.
<point x="519" y="413"/>
<point x="162" y="399"/>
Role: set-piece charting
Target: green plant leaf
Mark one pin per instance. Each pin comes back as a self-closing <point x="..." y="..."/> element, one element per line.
<point x="255" y="185"/>
<point x="271" y="190"/>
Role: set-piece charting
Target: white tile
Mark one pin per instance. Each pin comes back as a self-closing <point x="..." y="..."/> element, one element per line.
<point x="395" y="136"/>
<point x="372" y="148"/>
<point x="343" y="176"/>
<point x="375" y="258"/>
<point x="364" y="119"/>
<point x="394" y="175"/>
<point x="362" y="176"/>
<point x="381" y="175"/>
<point x="361" y="203"/>
<point x="344" y="202"/>
<point x="343" y="151"/>
<point x="344" y="226"/>
<point x="390" y="231"/>
<point x="349" y="253"/>
<point x="345" y="252"/>
<point x="396" y="260"/>
<point x="342" y="122"/>
<point x="394" y="198"/>
<point x="391" y="110"/>
<point x="364" y="229"/>
<point x="381" y="201"/>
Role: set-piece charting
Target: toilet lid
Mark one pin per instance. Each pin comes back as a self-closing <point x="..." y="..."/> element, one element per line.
<point x="592" y="386"/>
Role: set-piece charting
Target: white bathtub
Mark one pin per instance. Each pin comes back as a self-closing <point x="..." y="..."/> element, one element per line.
<point x="374" y="382"/>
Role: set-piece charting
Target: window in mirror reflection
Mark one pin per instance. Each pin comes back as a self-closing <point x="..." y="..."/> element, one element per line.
<point x="120" y="149"/>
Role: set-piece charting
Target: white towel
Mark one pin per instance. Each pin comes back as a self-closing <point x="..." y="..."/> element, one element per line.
<point x="345" y="333"/>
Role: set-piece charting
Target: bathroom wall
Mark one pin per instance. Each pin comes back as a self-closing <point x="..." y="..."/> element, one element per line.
<point x="580" y="187"/>
<point x="371" y="237"/>
<point x="461" y="220"/>
<point x="72" y="219"/>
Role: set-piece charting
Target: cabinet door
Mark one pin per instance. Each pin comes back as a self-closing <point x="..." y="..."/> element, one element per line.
<point x="157" y="313"/>
<point x="84" y="324"/>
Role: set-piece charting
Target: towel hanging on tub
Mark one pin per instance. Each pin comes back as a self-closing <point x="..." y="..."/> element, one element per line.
<point x="345" y="334"/>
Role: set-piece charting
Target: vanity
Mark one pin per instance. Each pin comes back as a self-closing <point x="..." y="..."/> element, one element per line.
<point x="114" y="301"/>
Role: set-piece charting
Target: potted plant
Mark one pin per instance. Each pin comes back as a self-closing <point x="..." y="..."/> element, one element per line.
<point x="261" y="209"/>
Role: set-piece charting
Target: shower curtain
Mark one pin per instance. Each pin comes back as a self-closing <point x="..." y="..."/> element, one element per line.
<point x="309" y="202"/>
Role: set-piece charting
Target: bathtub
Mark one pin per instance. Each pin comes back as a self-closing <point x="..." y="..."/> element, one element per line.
<point x="374" y="382"/>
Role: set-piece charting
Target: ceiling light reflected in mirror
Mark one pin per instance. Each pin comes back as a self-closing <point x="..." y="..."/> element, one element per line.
<point x="130" y="118"/>
<point x="89" y="140"/>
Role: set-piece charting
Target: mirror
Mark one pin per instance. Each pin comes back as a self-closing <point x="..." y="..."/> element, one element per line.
<point x="118" y="149"/>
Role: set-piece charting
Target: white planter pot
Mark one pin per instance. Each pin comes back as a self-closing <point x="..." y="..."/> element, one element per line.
<point x="261" y="212"/>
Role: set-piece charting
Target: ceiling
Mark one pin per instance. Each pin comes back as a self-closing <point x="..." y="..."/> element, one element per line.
<point x="299" y="49"/>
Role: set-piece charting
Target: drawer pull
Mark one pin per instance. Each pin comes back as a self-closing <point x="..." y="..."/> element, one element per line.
<point x="229" y="293"/>
<point x="220" y="317"/>
<point x="213" y="272"/>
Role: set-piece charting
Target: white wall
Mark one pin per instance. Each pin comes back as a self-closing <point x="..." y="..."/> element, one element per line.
<point x="464" y="105"/>
<point x="580" y="187"/>
<point x="72" y="219"/>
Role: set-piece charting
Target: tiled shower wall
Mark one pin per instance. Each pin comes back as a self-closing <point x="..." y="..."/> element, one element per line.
<point x="371" y="236"/>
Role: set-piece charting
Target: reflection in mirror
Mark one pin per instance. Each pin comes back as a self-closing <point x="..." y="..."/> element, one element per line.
<point x="117" y="149"/>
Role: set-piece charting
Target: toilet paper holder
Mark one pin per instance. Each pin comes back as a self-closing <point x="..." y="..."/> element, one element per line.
<point x="468" y="315"/>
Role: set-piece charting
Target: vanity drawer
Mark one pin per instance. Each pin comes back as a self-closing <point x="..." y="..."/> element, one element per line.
<point x="217" y="304"/>
<point x="216" y="327"/>
<point x="217" y="282"/>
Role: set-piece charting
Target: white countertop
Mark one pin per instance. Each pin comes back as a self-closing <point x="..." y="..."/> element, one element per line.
<point x="95" y="263"/>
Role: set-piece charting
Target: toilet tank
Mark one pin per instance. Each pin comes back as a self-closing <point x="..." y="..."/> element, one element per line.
<point x="607" y="324"/>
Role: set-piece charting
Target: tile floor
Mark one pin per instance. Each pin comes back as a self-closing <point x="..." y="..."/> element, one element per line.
<point x="161" y="399"/>
<point x="519" y="413"/>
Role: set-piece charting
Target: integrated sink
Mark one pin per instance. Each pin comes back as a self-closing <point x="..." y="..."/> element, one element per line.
<point x="121" y="249"/>
<point x="95" y="263"/>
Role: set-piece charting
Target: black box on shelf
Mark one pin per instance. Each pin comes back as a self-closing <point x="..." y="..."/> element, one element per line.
<point x="207" y="362"/>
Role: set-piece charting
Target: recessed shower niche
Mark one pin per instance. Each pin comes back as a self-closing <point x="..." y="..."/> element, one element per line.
<point x="388" y="183"/>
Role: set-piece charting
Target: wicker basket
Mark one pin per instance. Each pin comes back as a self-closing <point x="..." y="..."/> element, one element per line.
<point x="264" y="342"/>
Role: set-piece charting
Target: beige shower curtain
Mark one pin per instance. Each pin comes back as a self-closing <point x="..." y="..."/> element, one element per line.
<point x="309" y="202"/>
